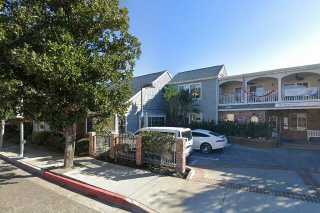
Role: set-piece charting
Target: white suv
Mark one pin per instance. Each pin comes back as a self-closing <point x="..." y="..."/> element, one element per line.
<point x="177" y="132"/>
<point x="206" y="140"/>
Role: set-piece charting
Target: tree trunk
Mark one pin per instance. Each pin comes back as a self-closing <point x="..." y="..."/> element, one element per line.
<point x="2" y="127"/>
<point x="70" y="137"/>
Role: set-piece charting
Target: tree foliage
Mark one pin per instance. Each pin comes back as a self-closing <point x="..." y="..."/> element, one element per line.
<point x="179" y="105"/>
<point x="9" y="90"/>
<point x="72" y="56"/>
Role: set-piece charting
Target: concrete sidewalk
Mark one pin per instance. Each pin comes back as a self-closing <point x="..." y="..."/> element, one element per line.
<point x="162" y="193"/>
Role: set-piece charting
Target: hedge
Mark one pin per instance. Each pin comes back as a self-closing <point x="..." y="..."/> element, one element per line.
<point x="56" y="142"/>
<point x="252" y="130"/>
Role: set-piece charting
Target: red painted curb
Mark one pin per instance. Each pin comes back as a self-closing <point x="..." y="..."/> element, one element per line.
<point x="93" y="191"/>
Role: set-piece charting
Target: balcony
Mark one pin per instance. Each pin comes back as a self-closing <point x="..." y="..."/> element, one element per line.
<point x="300" y="88"/>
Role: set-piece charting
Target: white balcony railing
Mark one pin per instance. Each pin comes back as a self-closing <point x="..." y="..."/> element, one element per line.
<point x="267" y="97"/>
<point x="231" y="99"/>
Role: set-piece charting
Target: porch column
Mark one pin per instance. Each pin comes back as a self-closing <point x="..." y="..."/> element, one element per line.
<point x="245" y="82"/>
<point x="279" y="89"/>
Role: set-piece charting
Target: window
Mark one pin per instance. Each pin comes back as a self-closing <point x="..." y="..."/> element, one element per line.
<point x="182" y="87"/>
<point x="156" y="121"/>
<point x="187" y="134"/>
<point x="198" y="134"/>
<point x="257" y="90"/>
<point x="195" y="90"/>
<point x="303" y="84"/>
<point x="254" y="119"/>
<point x="301" y="121"/>
<point x="285" y="123"/>
<point x="230" y="117"/>
<point x="215" y="134"/>
<point x="195" y="117"/>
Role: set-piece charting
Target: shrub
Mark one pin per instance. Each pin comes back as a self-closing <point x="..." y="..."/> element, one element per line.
<point x="157" y="143"/>
<point x="56" y="142"/>
<point x="49" y="139"/>
<point x="253" y="130"/>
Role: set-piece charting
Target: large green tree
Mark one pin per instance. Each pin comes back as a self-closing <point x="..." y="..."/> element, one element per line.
<point x="9" y="103"/>
<point x="72" y="56"/>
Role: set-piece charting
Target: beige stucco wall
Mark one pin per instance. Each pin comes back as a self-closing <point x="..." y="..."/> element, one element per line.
<point x="266" y="83"/>
<point x="229" y="87"/>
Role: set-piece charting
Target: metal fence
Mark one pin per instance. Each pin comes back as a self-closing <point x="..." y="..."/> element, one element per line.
<point x="125" y="147"/>
<point x="103" y="143"/>
<point x="167" y="159"/>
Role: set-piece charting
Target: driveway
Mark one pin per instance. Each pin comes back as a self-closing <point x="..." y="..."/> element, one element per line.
<point x="278" y="172"/>
<point x="240" y="156"/>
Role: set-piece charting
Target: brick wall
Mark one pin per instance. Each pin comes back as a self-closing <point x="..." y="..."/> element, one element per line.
<point x="292" y="134"/>
<point x="243" y="116"/>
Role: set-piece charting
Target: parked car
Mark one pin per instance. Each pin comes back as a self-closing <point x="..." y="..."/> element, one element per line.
<point x="206" y="140"/>
<point x="176" y="132"/>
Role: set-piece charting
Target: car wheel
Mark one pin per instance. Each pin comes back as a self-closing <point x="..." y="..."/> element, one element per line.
<point x="206" y="148"/>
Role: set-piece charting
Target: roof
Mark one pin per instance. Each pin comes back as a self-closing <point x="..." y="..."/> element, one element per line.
<point x="198" y="74"/>
<point x="143" y="80"/>
<point x="274" y="71"/>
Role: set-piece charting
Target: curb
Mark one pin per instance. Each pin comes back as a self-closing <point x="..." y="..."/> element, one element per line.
<point x="95" y="192"/>
<point x="81" y="187"/>
<point x="24" y="166"/>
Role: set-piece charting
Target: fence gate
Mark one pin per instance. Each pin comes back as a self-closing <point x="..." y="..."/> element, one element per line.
<point x="164" y="158"/>
<point x="125" y="147"/>
<point x="103" y="143"/>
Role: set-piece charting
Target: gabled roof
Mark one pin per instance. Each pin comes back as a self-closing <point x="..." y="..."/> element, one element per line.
<point x="143" y="80"/>
<point x="198" y="74"/>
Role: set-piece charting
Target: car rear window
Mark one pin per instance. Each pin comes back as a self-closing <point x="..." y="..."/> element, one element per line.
<point x="215" y="134"/>
<point x="187" y="134"/>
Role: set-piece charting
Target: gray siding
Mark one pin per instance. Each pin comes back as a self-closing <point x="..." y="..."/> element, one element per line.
<point x="153" y="102"/>
<point x="207" y="105"/>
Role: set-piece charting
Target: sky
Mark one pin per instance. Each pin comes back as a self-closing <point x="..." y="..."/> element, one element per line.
<point x="244" y="35"/>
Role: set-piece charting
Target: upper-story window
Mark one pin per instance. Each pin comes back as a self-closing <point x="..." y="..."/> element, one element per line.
<point x="194" y="89"/>
<point x="183" y="87"/>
